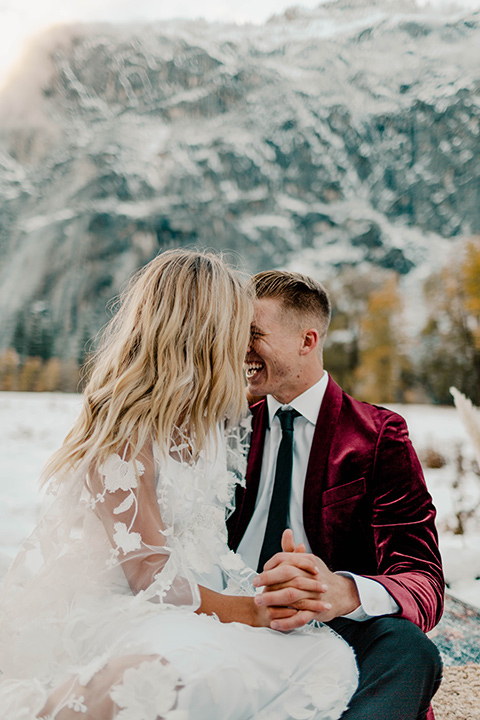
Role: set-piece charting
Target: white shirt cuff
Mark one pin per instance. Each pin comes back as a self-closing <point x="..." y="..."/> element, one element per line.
<point x="375" y="599"/>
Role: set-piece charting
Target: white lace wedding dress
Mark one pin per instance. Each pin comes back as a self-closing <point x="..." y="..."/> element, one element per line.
<point x="80" y="640"/>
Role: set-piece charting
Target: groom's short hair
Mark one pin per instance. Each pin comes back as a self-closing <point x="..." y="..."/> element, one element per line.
<point x="299" y="293"/>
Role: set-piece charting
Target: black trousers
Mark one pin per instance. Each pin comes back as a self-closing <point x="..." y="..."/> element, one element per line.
<point x="400" y="668"/>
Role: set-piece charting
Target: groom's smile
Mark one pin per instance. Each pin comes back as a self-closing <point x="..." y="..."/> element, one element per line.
<point x="272" y="364"/>
<point x="251" y="369"/>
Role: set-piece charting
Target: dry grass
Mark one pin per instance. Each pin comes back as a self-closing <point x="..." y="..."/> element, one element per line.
<point x="458" y="697"/>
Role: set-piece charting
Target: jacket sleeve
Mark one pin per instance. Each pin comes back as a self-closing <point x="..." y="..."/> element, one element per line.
<point x="403" y="526"/>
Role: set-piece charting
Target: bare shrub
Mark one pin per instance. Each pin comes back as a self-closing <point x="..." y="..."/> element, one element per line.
<point x="432" y="458"/>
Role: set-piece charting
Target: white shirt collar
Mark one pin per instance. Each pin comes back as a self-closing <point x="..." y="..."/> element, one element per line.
<point x="307" y="404"/>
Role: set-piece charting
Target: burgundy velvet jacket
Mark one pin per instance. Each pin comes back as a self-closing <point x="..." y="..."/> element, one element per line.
<point x="366" y="508"/>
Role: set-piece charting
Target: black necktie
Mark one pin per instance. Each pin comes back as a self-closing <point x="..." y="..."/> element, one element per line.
<point x="277" y="515"/>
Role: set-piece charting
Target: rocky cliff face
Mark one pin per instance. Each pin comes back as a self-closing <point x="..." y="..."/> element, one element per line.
<point x="337" y="136"/>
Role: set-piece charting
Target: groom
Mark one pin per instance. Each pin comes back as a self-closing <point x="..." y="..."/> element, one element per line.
<point x="349" y="485"/>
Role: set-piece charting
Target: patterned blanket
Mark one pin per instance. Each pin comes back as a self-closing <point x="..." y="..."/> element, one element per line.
<point x="457" y="636"/>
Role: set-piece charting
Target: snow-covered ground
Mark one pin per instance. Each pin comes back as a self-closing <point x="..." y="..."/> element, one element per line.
<point x="32" y="425"/>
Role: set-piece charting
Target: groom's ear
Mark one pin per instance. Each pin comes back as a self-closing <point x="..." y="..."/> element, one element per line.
<point x="311" y="338"/>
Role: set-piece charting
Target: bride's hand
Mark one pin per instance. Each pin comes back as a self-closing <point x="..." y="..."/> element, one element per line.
<point x="236" y="608"/>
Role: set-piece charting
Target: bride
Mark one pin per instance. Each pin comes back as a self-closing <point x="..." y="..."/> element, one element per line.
<point x="126" y="601"/>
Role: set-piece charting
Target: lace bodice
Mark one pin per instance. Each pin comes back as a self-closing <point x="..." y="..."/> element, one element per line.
<point x="172" y="511"/>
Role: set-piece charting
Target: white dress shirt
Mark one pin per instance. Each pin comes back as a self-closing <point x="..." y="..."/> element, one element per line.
<point x="375" y="599"/>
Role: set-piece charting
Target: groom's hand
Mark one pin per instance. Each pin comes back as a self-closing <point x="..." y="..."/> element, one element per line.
<point x="288" y="543"/>
<point x="299" y="580"/>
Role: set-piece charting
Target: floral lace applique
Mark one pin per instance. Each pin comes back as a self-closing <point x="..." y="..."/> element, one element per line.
<point x="77" y="704"/>
<point x="199" y="540"/>
<point x="125" y="540"/>
<point x="237" y="443"/>
<point x="238" y="576"/>
<point x="148" y="692"/>
<point x="327" y="689"/>
<point x="121" y="475"/>
<point x="86" y="673"/>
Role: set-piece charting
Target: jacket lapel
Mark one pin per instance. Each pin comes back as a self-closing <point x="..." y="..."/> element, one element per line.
<point x="317" y="462"/>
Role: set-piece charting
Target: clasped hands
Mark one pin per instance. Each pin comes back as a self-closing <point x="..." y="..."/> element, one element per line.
<point x="299" y="587"/>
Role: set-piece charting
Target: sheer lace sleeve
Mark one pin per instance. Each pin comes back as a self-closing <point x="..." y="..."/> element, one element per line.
<point x="124" y="498"/>
<point x="238" y="576"/>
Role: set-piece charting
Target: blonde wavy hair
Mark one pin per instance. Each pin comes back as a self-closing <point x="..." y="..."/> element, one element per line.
<point x="169" y="362"/>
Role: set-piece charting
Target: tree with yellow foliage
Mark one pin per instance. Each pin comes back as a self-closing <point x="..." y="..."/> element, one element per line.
<point x="9" y="370"/>
<point x="382" y="363"/>
<point x="349" y="291"/>
<point x="471" y="281"/>
<point x="451" y="336"/>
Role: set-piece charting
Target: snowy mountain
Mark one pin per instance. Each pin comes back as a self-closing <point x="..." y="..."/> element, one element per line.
<point x="333" y="136"/>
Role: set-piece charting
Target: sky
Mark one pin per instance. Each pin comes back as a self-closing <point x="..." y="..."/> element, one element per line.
<point x="21" y="19"/>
